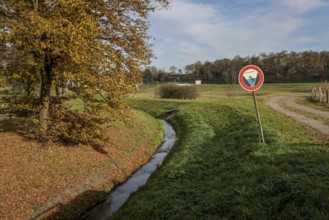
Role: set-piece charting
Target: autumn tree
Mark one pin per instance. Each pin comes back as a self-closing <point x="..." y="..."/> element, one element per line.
<point x="98" y="46"/>
<point x="306" y="66"/>
<point x="19" y="70"/>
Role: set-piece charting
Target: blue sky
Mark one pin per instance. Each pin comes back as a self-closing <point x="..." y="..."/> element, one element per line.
<point x="195" y="30"/>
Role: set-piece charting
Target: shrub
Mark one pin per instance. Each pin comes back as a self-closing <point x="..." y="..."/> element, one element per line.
<point x="175" y="91"/>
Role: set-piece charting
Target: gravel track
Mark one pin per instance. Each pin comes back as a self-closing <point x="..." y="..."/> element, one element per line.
<point x="291" y="101"/>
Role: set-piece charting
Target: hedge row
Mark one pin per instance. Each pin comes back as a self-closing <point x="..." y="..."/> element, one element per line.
<point x="175" y="91"/>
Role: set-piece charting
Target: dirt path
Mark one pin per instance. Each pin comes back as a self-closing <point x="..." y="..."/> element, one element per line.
<point x="291" y="101"/>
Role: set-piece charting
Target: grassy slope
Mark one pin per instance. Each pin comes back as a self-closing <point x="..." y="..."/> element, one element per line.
<point x="33" y="174"/>
<point x="218" y="169"/>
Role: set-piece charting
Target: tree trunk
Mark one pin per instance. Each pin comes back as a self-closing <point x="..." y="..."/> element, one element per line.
<point x="58" y="91"/>
<point x="46" y="81"/>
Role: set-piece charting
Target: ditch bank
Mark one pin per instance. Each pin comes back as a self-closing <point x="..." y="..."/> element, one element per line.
<point x="60" y="182"/>
<point x="121" y="194"/>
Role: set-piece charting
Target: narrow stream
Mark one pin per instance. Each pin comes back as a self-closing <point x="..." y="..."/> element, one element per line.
<point x="121" y="194"/>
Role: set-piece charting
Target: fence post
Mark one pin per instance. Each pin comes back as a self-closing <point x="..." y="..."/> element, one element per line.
<point x="314" y="94"/>
<point x="324" y="95"/>
<point x="327" y="94"/>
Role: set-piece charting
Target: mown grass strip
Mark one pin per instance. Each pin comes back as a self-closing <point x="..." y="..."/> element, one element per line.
<point x="218" y="168"/>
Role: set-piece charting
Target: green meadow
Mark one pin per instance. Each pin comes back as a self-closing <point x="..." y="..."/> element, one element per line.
<point x="218" y="169"/>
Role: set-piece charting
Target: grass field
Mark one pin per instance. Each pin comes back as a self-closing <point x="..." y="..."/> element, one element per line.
<point x="214" y="91"/>
<point x="219" y="170"/>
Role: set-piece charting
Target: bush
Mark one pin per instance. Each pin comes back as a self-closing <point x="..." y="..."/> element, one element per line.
<point x="175" y="91"/>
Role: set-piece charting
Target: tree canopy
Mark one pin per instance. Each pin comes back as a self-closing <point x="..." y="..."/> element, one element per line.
<point x="97" y="46"/>
<point x="283" y="66"/>
<point x="305" y="66"/>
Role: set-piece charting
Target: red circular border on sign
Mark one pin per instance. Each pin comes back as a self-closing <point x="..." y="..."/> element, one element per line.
<point x="261" y="78"/>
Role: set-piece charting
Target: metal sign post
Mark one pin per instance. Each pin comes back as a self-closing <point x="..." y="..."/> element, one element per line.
<point x="251" y="78"/>
<point x="258" y="118"/>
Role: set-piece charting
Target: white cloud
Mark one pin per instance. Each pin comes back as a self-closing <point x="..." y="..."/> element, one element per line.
<point x="302" y="6"/>
<point x="183" y="11"/>
<point x="313" y="39"/>
<point x="193" y="31"/>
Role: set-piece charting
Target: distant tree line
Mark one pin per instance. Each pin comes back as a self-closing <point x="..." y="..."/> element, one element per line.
<point x="307" y="66"/>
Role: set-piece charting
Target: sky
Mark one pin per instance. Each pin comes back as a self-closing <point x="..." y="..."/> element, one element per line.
<point x="196" y="30"/>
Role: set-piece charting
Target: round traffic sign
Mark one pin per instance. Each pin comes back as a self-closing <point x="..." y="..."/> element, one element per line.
<point x="251" y="78"/>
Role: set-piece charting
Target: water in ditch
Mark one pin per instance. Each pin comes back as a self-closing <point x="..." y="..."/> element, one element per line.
<point x="121" y="194"/>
